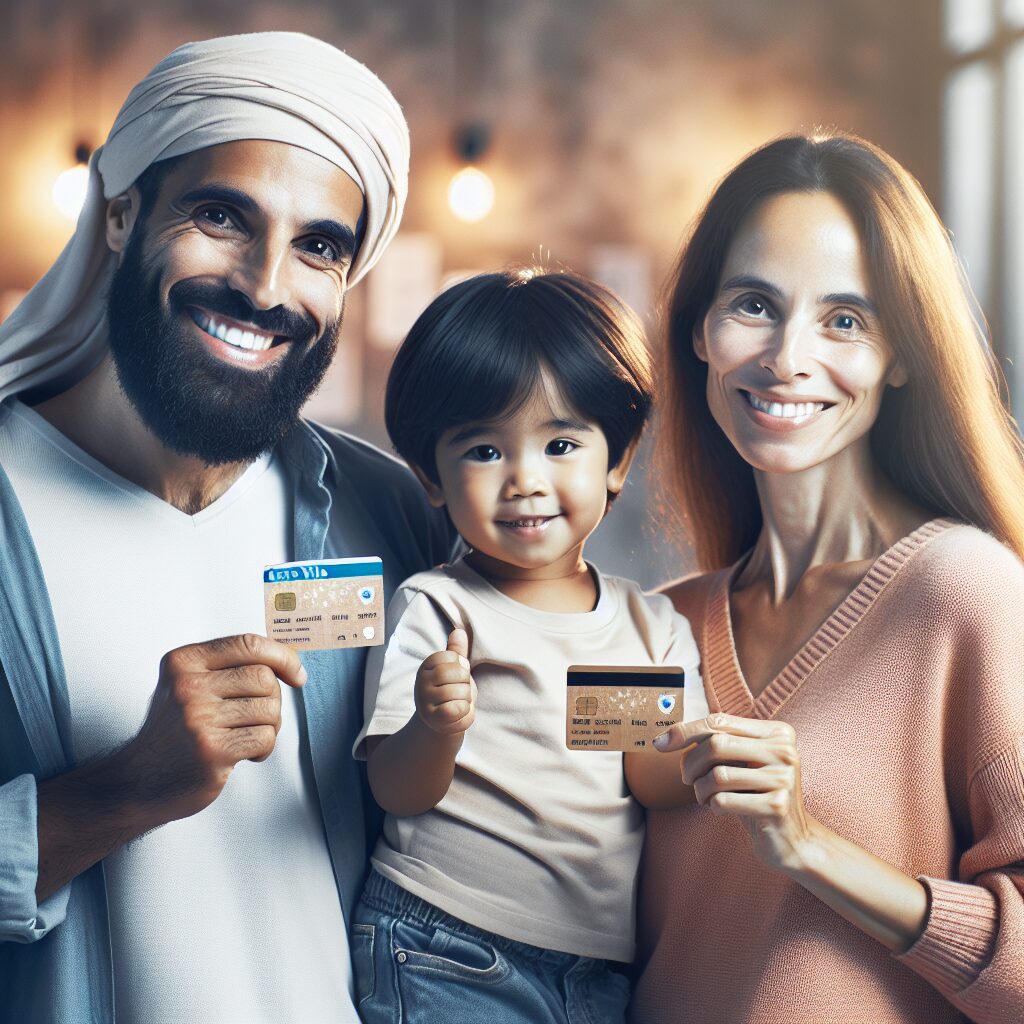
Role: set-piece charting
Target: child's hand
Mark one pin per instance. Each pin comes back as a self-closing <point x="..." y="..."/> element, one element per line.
<point x="445" y="691"/>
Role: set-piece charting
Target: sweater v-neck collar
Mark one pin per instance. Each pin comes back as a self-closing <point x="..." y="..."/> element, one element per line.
<point x="722" y="672"/>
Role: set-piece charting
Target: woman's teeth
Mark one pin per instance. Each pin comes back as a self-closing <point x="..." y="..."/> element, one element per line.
<point x="785" y="410"/>
<point x="233" y="335"/>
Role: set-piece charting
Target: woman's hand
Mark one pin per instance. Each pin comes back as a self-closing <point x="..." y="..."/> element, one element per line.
<point x="750" y="768"/>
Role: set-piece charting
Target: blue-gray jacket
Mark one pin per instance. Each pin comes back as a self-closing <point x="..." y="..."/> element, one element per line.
<point x="350" y="500"/>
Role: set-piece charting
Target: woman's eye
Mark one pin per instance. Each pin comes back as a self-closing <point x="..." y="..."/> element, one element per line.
<point x="845" y="322"/>
<point x="751" y="305"/>
<point x="560" y="447"/>
<point x="484" y="453"/>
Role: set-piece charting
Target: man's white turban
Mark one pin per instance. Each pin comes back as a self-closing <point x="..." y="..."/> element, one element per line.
<point x="278" y="86"/>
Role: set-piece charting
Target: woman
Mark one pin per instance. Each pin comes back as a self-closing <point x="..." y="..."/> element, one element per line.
<point x="852" y="848"/>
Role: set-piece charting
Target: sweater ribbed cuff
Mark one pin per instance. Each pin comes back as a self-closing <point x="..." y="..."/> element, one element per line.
<point x="958" y="939"/>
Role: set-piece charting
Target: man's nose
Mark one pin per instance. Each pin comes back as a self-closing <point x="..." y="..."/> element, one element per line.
<point x="262" y="273"/>
<point x="788" y="353"/>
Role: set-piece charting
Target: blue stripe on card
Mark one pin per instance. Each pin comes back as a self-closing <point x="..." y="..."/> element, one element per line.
<point x="320" y="571"/>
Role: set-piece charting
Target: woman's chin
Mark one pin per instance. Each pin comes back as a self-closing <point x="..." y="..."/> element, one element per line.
<point x="779" y="459"/>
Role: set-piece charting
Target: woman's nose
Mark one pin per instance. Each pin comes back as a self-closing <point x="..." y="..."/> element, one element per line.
<point x="788" y="354"/>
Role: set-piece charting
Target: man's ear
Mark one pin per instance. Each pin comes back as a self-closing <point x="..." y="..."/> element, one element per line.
<point x="897" y="376"/>
<point x="618" y="473"/>
<point x="122" y="213"/>
<point x="699" y="347"/>
<point x="434" y="493"/>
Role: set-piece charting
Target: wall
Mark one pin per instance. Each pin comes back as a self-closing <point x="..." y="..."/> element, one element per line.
<point x="610" y="123"/>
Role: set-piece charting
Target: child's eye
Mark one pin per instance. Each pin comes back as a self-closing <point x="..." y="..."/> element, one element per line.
<point x="483" y="453"/>
<point x="560" y="447"/>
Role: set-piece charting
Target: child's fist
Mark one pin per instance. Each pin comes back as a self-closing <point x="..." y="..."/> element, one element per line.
<point x="445" y="691"/>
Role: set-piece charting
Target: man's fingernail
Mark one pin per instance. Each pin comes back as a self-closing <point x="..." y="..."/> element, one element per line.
<point x="463" y="661"/>
<point x="661" y="742"/>
<point x="303" y="675"/>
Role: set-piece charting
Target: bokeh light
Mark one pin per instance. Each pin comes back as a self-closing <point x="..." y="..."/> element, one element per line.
<point x="471" y="195"/>
<point x="69" y="190"/>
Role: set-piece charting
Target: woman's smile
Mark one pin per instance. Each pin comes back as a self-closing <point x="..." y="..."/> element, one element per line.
<point x="778" y="413"/>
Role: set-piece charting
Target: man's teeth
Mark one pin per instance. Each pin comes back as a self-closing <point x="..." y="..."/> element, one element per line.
<point x="234" y="335"/>
<point x="785" y="410"/>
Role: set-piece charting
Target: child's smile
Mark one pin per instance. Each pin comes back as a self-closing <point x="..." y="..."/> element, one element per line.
<point x="527" y="528"/>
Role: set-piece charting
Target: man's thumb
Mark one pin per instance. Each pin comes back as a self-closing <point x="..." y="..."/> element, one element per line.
<point x="458" y="642"/>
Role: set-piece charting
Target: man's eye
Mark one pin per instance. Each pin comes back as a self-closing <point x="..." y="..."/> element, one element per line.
<point x="483" y="453"/>
<point x="322" y="249"/>
<point x="217" y="216"/>
<point x="560" y="447"/>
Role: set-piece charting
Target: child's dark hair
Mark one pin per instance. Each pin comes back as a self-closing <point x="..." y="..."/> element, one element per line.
<point x="476" y="353"/>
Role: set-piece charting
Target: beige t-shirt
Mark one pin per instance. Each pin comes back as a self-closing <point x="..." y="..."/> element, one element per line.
<point x="532" y="841"/>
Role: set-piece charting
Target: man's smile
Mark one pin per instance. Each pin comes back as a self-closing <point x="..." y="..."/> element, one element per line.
<point x="236" y="341"/>
<point x="233" y="332"/>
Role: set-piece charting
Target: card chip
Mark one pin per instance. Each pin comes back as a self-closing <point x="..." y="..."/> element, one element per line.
<point x="284" y="602"/>
<point x="586" y="706"/>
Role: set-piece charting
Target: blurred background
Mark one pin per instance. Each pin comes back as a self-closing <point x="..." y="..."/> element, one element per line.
<point x="580" y="133"/>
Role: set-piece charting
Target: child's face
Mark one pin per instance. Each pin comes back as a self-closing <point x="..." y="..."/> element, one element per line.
<point x="527" y="491"/>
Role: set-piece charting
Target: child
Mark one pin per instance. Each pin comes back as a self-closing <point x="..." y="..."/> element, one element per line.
<point x="504" y="880"/>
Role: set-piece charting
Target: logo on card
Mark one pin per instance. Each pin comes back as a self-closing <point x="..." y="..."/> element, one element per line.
<point x="366" y="595"/>
<point x="666" y="702"/>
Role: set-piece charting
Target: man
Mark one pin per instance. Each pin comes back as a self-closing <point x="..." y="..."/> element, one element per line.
<point x="180" y="840"/>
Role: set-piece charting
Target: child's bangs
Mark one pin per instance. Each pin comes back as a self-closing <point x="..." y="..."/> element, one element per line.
<point x="493" y="379"/>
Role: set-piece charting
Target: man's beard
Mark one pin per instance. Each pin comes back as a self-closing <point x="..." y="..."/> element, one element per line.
<point x="196" y="404"/>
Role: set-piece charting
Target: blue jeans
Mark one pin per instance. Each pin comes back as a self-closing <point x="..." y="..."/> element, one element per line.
<point x="415" y="964"/>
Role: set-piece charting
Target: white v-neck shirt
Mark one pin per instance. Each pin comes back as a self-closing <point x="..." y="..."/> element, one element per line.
<point x="231" y="914"/>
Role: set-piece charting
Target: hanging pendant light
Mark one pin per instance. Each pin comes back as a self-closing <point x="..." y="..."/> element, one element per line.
<point x="471" y="191"/>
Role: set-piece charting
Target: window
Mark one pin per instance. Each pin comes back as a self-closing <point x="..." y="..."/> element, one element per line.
<point x="983" y="166"/>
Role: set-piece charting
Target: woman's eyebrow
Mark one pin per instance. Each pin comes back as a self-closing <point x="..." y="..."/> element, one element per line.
<point x="849" y="299"/>
<point x="758" y="284"/>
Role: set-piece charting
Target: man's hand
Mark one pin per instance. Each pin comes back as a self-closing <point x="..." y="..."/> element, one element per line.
<point x="216" y="703"/>
<point x="445" y="691"/>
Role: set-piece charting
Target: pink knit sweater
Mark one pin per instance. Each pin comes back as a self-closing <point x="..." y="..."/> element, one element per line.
<point x="908" y="705"/>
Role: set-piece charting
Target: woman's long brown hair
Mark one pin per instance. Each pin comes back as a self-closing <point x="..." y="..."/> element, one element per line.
<point x="945" y="438"/>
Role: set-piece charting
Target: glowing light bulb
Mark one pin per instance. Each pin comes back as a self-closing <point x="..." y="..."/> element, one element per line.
<point x="69" y="190"/>
<point x="471" y="195"/>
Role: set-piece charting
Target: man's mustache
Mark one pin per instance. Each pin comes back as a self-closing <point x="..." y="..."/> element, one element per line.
<point x="234" y="305"/>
